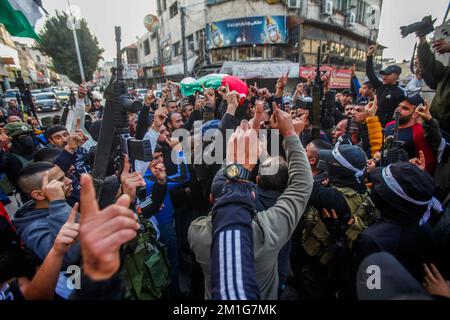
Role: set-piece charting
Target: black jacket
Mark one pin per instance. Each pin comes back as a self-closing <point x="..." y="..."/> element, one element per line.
<point x="411" y="244"/>
<point x="389" y="96"/>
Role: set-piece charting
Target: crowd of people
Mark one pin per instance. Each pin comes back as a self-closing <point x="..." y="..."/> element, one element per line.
<point x="290" y="210"/>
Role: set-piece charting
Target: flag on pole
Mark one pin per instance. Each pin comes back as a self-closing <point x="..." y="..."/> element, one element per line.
<point x="20" y="17"/>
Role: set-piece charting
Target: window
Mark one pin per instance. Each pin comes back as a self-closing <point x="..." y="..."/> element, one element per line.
<point x="306" y="45"/>
<point x="176" y="49"/>
<point x="173" y="10"/>
<point x="220" y="55"/>
<point x="341" y="5"/>
<point x="315" y="44"/>
<point x="251" y="53"/>
<point x="361" y="10"/>
<point x="38" y="58"/>
<point x="277" y="52"/>
<point x="190" y="42"/>
<point x="146" y="47"/>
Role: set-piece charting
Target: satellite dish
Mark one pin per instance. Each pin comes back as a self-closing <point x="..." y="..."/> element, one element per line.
<point x="151" y="23"/>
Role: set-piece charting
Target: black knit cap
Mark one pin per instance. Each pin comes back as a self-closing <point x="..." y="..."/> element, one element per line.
<point x="53" y="129"/>
<point x="416" y="183"/>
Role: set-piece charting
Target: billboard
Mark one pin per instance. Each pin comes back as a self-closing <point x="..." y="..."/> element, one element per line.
<point x="130" y="71"/>
<point x="340" y="78"/>
<point x="247" y="31"/>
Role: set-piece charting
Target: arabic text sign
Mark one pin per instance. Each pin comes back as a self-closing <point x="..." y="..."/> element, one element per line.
<point x="247" y="31"/>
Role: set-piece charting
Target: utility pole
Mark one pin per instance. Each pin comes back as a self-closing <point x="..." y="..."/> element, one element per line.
<point x="77" y="47"/>
<point x="183" y="39"/>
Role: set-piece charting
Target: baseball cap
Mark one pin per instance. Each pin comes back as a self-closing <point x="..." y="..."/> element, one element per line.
<point x="391" y="69"/>
<point x="53" y="129"/>
<point x="14" y="129"/>
<point x="415" y="99"/>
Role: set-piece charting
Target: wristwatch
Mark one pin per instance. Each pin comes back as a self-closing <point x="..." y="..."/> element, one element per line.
<point x="235" y="172"/>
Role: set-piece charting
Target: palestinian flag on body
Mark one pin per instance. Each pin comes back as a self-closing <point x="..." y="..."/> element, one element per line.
<point x="20" y="17"/>
<point x="189" y="86"/>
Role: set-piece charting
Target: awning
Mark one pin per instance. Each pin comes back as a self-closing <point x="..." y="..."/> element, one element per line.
<point x="3" y="72"/>
<point x="177" y="69"/>
<point x="261" y="69"/>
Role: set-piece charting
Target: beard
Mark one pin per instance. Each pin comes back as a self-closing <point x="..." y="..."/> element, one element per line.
<point x="405" y="120"/>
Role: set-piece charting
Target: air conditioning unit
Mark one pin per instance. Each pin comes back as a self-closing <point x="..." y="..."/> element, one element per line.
<point x="191" y="45"/>
<point x="351" y="19"/>
<point x="327" y="8"/>
<point x="294" y="4"/>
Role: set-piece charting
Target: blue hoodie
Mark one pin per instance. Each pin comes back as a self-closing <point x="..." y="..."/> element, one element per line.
<point x="38" y="228"/>
<point x="165" y="214"/>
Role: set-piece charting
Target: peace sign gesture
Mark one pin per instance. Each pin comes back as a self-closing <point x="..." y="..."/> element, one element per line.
<point x="102" y="232"/>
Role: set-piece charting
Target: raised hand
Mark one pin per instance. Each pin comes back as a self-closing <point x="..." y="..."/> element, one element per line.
<point x="68" y="233"/>
<point x="435" y="283"/>
<point x="243" y="146"/>
<point x="264" y="93"/>
<point x="372" y="50"/>
<point x="149" y="98"/>
<point x="159" y="119"/>
<point x="103" y="232"/>
<point x="159" y="171"/>
<point x="174" y="144"/>
<point x="282" y="121"/>
<point x="210" y="96"/>
<point x="252" y="91"/>
<point x="441" y="46"/>
<point x="372" y="107"/>
<point x="419" y="162"/>
<point x="130" y="180"/>
<point x="255" y="122"/>
<point x="53" y="190"/>
<point x="424" y="111"/>
<point x="232" y="100"/>
<point x="299" y="124"/>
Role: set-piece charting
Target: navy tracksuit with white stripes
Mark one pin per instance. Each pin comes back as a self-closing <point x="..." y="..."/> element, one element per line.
<point x="233" y="274"/>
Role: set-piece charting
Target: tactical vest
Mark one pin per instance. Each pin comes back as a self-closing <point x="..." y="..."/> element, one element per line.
<point x="145" y="267"/>
<point x="316" y="240"/>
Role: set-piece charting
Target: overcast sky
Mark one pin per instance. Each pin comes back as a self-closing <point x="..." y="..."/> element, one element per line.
<point x="103" y="15"/>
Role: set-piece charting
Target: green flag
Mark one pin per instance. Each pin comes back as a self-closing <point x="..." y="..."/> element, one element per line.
<point x="20" y="16"/>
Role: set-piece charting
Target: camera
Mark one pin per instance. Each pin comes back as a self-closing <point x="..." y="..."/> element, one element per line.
<point x="136" y="149"/>
<point x="423" y="27"/>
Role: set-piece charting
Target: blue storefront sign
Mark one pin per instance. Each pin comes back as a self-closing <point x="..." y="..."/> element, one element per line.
<point x="247" y="31"/>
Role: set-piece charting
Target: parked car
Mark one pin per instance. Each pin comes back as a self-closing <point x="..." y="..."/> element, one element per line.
<point x="63" y="97"/>
<point x="10" y="95"/>
<point x="35" y="92"/>
<point x="47" y="101"/>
